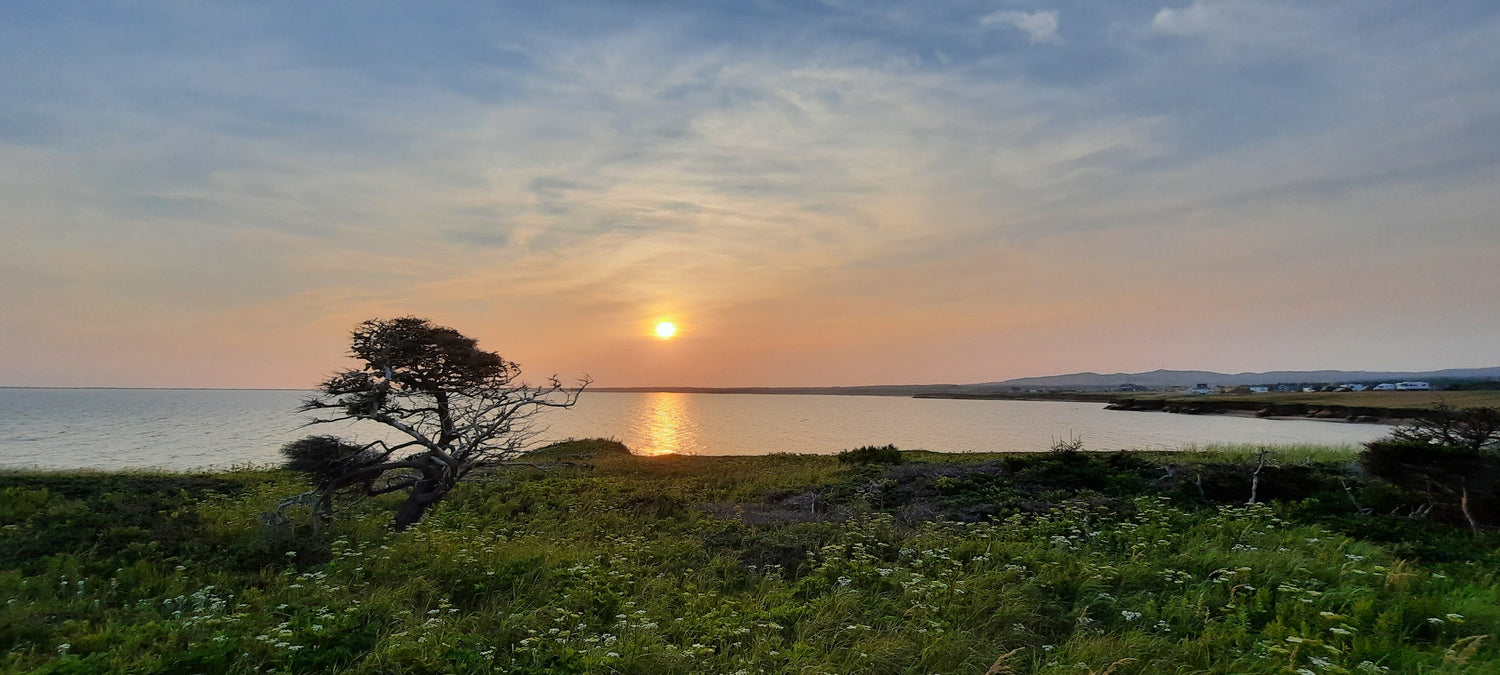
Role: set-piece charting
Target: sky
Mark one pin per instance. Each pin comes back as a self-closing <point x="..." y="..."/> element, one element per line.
<point x="212" y="194"/>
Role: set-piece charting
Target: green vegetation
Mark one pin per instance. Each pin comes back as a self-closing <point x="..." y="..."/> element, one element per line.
<point x="1450" y="461"/>
<point x="1062" y="562"/>
<point x="871" y="454"/>
<point x="1294" y="454"/>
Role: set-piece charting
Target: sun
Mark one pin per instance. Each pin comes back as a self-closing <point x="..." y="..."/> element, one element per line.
<point x="665" y="329"/>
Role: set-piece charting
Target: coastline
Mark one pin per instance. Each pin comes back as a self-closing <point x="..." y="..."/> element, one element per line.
<point x="1230" y="408"/>
<point x="1349" y="414"/>
<point x="1351" y="407"/>
<point x="1249" y="414"/>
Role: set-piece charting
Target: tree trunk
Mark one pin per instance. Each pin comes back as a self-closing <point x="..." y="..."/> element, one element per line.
<point x="422" y="497"/>
<point x="428" y="490"/>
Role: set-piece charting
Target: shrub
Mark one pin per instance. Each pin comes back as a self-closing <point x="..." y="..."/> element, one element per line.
<point x="325" y="458"/>
<point x="1069" y="446"/>
<point x="1449" y="460"/>
<point x="1474" y="430"/>
<point x="871" y="454"/>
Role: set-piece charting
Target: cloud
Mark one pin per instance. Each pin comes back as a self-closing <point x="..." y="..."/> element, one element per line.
<point x="1040" y="26"/>
<point x="548" y="181"/>
<point x="1265" y="24"/>
<point x="1197" y="17"/>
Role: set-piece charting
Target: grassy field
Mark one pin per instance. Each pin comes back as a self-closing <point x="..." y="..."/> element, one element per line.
<point x="1042" y="563"/>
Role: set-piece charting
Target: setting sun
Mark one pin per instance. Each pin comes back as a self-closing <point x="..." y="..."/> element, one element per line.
<point x="665" y="329"/>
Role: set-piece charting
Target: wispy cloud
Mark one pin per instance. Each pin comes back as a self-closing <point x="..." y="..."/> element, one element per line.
<point x="1039" y="26"/>
<point x="910" y="181"/>
<point x="1196" y="17"/>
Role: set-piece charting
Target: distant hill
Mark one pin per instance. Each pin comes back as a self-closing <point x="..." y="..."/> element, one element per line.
<point x="1156" y="379"/>
<point x="1185" y="378"/>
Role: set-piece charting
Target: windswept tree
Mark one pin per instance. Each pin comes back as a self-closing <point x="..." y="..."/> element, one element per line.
<point x="455" y="407"/>
<point x="1448" y="458"/>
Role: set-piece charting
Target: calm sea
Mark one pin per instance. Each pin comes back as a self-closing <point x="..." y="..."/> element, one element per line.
<point x="138" y="428"/>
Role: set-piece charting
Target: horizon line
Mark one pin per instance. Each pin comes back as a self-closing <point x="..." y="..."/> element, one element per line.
<point x="647" y="388"/>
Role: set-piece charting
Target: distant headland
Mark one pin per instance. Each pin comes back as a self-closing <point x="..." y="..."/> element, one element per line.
<point x="1086" y="382"/>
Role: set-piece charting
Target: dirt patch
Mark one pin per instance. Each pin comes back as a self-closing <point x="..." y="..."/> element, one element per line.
<point x="781" y="507"/>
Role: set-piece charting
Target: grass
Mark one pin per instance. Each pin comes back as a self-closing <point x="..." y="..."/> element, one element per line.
<point x="1043" y="563"/>
<point x="1283" y="453"/>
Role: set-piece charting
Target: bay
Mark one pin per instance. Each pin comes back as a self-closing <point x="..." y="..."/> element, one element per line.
<point x="202" y="429"/>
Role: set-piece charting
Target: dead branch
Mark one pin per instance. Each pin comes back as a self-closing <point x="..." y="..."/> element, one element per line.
<point x="1260" y="463"/>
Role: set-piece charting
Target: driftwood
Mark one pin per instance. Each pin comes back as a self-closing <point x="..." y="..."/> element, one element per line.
<point x="311" y="498"/>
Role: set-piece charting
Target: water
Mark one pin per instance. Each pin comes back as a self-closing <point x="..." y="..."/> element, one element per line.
<point x="139" y="428"/>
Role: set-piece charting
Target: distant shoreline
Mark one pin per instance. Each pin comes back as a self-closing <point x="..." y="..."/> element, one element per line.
<point x="1351" y="407"/>
<point x="871" y="390"/>
<point x="1382" y="407"/>
<point x="161" y="388"/>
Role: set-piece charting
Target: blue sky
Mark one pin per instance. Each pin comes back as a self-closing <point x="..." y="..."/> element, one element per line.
<point x="211" y="194"/>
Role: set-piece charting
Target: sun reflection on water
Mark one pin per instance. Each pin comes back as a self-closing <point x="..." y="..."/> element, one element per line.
<point x="668" y="425"/>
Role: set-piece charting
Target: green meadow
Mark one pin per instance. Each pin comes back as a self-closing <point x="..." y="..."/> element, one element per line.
<point x="605" y="562"/>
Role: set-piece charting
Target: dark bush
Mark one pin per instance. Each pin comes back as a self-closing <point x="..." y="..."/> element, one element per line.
<point x="1448" y="461"/>
<point x="325" y="458"/>
<point x="871" y="454"/>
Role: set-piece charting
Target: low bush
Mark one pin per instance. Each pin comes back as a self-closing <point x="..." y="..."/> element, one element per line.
<point x="1449" y="460"/>
<point x="871" y="454"/>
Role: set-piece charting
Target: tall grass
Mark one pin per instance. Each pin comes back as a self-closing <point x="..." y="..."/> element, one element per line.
<point x="1289" y="452"/>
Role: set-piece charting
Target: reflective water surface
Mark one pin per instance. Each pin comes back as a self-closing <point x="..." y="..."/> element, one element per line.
<point x="752" y="424"/>
<point x="125" y="428"/>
